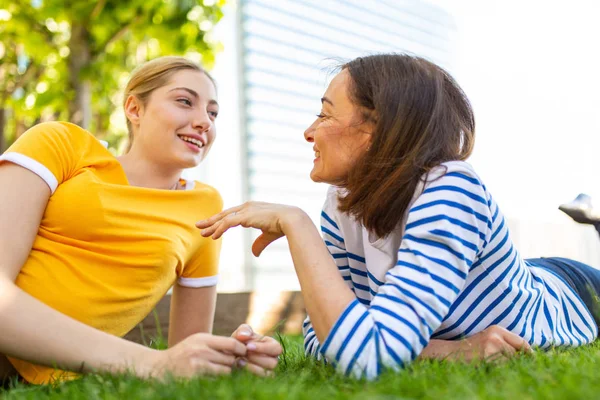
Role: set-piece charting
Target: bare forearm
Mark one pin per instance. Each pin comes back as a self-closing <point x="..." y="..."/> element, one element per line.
<point x="35" y="332"/>
<point x="325" y="293"/>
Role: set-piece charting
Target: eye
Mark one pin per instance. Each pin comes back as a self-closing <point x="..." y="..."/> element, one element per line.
<point x="321" y="115"/>
<point x="213" y="114"/>
<point x="185" y="101"/>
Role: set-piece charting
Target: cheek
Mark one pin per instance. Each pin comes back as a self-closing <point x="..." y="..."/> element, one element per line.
<point x="333" y="142"/>
<point x="212" y="135"/>
<point x="327" y="137"/>
<point x="170" y="115"/>
<point x="157" y="118"/>
<point x="339" y="155"/>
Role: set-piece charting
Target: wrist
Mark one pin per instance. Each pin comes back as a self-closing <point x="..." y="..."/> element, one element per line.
<point x="143" y="363"/>
<point x="294" y="219"/>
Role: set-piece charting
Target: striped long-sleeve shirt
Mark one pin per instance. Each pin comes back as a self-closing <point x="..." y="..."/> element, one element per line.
<point x="450" y="270"/>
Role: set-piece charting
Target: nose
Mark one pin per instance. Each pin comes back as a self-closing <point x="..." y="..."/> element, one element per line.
<point x="309" y="133"/>
<point x="202" y="121"/>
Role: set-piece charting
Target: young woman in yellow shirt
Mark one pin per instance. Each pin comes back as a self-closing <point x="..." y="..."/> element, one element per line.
<point x="89" y="243"/>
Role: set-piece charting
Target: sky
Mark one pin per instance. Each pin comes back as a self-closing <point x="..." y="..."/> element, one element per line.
<point x="532" y="72"/>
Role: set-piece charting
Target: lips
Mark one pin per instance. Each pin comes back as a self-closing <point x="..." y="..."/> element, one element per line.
<point x="194" y="140"/>
<point x="317" y="155"/>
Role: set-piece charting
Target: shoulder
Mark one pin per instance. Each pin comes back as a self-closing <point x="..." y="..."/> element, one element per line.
<point x="458" y="174"/>
<point x="209" y="195"/>
<point x="453" y="169"/>
<point x="59" y="128"/>
<point x="454" y="182"/>
<point x="61" y="132"/>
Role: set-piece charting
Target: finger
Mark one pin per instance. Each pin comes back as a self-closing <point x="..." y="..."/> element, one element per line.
<point x="256" y="370"/>
<point x="265" y="362"/>
<point x="516" y="341"/>
<point x="262" y="242"/>
<point x="508" y="350"/>
<point x="218" y="357"/>
<point x="228" y="345"/>
<point x="500" y="353"/>
<point x="205" y="223"/>
<point x="229" y="221"/>
<point x="206" y="232"/>
<point x="270" y="348"/>
<point x="221" y="225"/>
<point x="244" y="333"/>
<point x="217" y="369"/>
<point x="496" y="357"/>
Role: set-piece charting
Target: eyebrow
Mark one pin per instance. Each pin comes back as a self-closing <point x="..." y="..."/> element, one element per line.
<point x="326" y="100"/>
<point x="195" y="94"/>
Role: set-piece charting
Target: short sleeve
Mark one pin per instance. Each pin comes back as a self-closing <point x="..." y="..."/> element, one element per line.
<point x="51" y="150"/>
<point x="203" y="267"/>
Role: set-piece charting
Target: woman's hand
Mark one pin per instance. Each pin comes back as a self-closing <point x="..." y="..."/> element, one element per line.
<point x="198" y="354"/>
<point x="493" y="343"/>
<point x="271" y="219"/>
<point x="263" y="351"/>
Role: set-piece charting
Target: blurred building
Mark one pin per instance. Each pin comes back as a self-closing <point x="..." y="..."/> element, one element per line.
<point x="277" y="61"/>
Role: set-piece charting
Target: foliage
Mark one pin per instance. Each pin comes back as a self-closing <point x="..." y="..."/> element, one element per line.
<point x="44" y="43"/>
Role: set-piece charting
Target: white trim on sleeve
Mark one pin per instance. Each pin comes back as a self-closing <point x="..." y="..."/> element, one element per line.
<point x="198" y="282"/>
<point x="34" y="166"/>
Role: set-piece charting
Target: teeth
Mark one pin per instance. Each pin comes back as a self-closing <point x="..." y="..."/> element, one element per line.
<point x="191" y="140"/>
<point x="317" y="154"/>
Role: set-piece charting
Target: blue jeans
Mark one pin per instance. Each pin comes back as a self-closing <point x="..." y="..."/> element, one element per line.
<point x="582" y="278"/>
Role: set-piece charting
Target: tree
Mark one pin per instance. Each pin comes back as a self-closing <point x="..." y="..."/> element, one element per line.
<point x="68" y="59"/>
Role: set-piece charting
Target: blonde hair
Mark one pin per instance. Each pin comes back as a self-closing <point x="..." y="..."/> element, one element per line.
<point x="152" y="75"/>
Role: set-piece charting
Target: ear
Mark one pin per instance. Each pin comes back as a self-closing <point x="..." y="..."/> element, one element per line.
<point x="368" y="129"/>
<point x="133" y="110"/>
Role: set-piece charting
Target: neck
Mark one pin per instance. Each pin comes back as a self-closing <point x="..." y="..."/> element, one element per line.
<point x="145" y="173"/>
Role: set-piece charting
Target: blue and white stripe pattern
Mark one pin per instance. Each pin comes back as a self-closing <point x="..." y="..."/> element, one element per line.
<point x="449" y="271"/>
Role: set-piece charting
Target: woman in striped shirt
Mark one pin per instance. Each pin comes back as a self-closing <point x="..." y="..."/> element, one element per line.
<point x="416" y="253"/>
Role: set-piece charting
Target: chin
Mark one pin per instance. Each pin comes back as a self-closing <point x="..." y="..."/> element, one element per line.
<point x="320" y="179"/>
<point x="314" y="177"/>
<point x="188" y="162"/>
<point x="193" y="163"/>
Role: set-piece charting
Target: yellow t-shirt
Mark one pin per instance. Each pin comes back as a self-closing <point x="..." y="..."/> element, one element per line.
<point x="107" y="252"/>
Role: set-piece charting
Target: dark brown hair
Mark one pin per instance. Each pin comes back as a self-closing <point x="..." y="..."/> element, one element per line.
<point x="421" y="117"/>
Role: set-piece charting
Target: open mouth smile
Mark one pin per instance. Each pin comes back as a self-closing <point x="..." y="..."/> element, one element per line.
<point x="191" y="142"/>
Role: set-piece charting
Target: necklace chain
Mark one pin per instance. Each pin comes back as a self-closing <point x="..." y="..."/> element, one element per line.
<point x="180" y="183"/>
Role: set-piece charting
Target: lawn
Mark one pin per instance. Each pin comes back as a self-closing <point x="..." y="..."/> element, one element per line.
<point x="556" y="374"/>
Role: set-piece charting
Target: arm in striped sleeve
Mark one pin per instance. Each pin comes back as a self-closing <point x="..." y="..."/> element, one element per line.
<point x="446" y="228"/>
<point x="334" y="241"/>
<point x="312" y="347"/>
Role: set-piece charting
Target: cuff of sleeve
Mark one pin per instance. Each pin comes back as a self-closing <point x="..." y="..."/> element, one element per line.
<point x="198" y="282"/>
<point x="311" y="344"/>
<point x="34" y="166"/>
<point x="348" y="333"/>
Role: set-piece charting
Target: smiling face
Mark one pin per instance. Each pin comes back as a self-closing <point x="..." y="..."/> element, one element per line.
<point x="175" y="126"/>
<point x="338" y="134"/>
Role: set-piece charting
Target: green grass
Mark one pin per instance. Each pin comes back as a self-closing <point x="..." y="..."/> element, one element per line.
<point x="556" y="374"/>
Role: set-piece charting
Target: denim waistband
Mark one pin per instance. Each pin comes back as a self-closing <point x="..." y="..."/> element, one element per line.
<point x="583" y="279"/>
